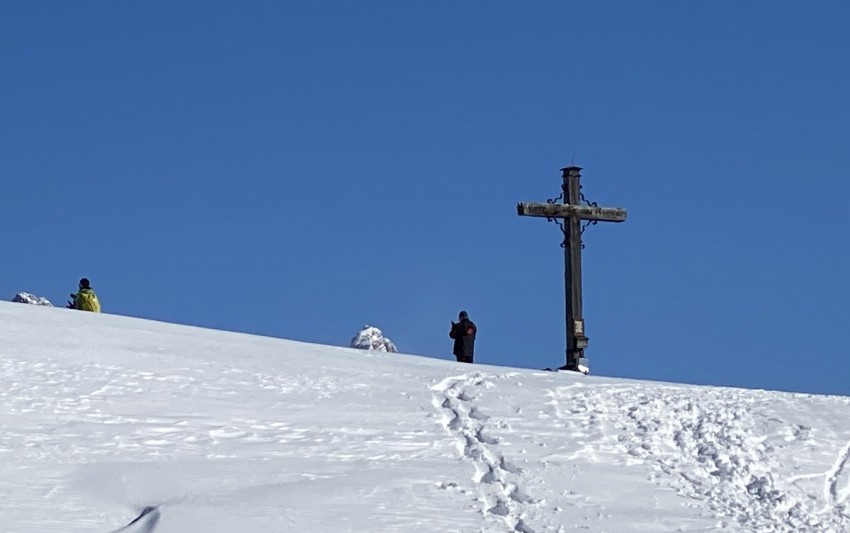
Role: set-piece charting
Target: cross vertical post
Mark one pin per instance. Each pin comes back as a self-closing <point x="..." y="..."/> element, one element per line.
<point x="569" y="215"/>
<point x="576" y="339"/>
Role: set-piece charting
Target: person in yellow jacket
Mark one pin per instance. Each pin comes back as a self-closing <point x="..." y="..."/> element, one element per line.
<point x="86" y="299"/>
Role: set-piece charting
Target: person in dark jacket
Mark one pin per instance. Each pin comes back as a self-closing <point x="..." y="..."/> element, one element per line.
<point x="463" y="332"/>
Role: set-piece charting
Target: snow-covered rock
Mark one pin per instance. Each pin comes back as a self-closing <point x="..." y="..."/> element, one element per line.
<point x="27" y="298"/>
<point x="372" y="338"/>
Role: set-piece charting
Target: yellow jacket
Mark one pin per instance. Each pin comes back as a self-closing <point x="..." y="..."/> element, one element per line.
<point x="86" y="300"/>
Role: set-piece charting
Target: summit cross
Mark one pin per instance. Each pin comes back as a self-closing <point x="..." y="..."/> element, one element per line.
<point x="569" y="216"/>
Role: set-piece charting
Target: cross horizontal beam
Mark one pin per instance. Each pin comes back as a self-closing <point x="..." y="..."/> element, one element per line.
<point x="583" y="212"/>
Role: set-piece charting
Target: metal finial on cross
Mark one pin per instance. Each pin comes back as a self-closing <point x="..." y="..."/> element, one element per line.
<point x="569" y="216"/>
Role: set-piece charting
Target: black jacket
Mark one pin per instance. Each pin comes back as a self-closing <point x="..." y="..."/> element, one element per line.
<point x="464" y="335"/>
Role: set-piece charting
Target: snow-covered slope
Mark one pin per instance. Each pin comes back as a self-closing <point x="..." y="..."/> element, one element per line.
<point x="102" y="416"/>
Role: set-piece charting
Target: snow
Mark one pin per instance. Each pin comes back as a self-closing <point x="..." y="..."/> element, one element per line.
<point x="102" y="416"/>
<point x="372" y="338"/>
<point x="27" y="298"/>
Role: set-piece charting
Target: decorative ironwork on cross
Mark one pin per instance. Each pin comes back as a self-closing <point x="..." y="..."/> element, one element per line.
<point x="569" y="215"/>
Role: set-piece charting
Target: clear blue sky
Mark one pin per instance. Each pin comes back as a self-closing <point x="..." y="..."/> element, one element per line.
<point x="298" y="169"/>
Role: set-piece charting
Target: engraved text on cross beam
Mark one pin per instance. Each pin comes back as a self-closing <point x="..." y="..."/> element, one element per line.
<point x="584" y="212"/>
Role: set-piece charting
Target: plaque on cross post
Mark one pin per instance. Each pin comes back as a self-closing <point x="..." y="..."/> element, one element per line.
<point x="570" y="214"/>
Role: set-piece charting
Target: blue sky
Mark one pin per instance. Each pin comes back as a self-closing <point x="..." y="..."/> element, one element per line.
<point x="299" y="169"/>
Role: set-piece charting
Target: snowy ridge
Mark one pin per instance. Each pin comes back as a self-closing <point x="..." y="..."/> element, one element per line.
<point x="220" y="432"/>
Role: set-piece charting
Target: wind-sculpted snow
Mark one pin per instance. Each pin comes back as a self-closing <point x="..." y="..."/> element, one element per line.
<point x="102" y="417"/>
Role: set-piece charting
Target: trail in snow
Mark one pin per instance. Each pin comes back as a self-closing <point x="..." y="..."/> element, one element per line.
<point x="837" y="483"/>
<point x="500" y="483"/>
<point x="719" y="449"/>
<point x="709" y="448"/>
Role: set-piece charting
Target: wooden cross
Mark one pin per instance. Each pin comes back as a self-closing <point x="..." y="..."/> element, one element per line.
<point x="571" y="212"/>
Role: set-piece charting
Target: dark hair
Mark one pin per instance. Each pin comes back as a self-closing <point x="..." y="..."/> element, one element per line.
<point x="462" y="315"/>
<point x="84" y="283"/>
